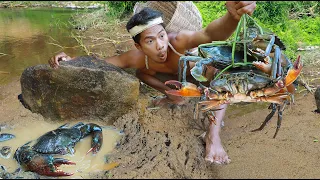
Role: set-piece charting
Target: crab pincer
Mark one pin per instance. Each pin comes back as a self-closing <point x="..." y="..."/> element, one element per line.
<point x="184" y="89"/>
<point x="97" y="139"/>
<point x="57" y="172"/>
<point x="294" y="72"/>
<point x="43" y="164"/>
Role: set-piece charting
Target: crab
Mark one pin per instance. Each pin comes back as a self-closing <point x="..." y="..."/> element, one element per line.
<point x="252" y="68"/>
<point x="40" y="158"/>
<point x="241" y="86"/>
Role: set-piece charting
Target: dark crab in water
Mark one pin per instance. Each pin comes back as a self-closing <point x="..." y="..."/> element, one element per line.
<point x="252" y="69"/>
<point x="39" y="157"/>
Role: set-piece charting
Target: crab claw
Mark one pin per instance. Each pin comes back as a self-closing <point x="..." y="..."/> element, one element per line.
<point x="91" y="149"/>
<point x="97" y="139"/>
<point x="48" y="166"/>
<point x="185" y="89"/>
<point x="293" y="73"/>
<point x="58" y="162"/>
<point x="264" y="67"/>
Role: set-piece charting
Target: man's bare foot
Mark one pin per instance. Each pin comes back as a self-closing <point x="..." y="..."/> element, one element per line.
<point x="214" y="150"/>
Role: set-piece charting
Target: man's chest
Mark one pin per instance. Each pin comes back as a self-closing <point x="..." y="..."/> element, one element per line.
<point x="170" y="66"/>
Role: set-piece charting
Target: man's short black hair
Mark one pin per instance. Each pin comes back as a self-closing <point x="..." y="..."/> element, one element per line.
<point x="142" y="18"/>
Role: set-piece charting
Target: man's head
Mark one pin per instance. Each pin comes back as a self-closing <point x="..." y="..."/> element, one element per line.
<point x="147" y="30"/>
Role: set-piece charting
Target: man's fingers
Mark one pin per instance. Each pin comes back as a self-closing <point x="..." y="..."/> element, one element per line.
<point x="246" y="9"/>
<point x="242" y="4"/>
<point x="230" y="5"/>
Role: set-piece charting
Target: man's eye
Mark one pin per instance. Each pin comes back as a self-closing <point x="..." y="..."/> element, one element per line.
<point x="149" y="41"/>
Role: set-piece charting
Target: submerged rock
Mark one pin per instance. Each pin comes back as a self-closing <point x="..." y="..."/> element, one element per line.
<point x="83" y="88"/>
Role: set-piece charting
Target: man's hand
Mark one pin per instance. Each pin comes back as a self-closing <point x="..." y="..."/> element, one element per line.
<point x="54" y="61"/>
<point x="238" y="8"/>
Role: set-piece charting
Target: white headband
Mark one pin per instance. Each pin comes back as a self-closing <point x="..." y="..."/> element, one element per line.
<point x="138" y="29"/>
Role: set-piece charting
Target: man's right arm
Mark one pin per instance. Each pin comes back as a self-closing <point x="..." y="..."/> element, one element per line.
<point x="129" y="59"/>
<point x="148" y="77"/>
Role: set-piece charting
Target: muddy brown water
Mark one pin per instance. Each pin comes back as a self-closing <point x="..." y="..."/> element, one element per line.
<point x="30" y="130"/>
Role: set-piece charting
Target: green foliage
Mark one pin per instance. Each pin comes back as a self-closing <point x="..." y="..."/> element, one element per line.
<point x="294" y="22"/>
<point x="120" y="9"/>
<point x="210" y="10"/>
<point x="270" y="11"/>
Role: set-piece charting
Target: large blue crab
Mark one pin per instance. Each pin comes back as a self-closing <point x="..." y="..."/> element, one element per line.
<point x="252" y="69"/>
<point x="39" y="157"/>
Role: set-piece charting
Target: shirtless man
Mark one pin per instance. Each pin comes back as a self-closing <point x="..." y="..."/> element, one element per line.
<point x="159" y="52"/>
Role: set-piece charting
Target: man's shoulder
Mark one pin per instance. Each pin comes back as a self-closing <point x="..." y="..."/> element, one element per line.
<point x="179" y="39"/>
<point x="180" y="36"/>
<point x="133" y="58"/>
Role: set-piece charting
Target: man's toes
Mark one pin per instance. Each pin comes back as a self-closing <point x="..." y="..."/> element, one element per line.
<point x="228" y="160"/>
<point x="208" y="158"/>
<point x="218" y="160"/>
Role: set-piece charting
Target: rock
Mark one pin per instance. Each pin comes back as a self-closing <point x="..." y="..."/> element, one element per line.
<point x="317" y="97"/>
<point x="83" y="88"/>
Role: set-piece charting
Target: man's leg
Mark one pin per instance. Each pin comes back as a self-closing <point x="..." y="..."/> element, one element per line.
<point x="214" y="149"/>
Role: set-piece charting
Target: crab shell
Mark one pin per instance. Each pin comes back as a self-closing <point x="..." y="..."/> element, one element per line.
<point x="62" y="140"/>
<point x="59" y="141"/>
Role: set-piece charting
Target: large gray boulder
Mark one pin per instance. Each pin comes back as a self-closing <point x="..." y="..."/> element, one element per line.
<point x="83" y="88"/>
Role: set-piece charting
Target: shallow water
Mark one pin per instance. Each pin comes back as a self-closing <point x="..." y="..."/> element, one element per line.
<point x="30" y="37"/>
<point x="31" y="130"/>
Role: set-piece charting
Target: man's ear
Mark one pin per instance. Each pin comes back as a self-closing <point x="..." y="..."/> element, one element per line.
<point x="137" y="46"/>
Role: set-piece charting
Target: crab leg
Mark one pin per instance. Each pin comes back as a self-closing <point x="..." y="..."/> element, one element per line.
<point x="212" y="103"/>
<point x="279" y="120"/>
<point x="268" y="91"/>
<point x="268" y="118"/>
<point x="185" y="89"/>
<point x="184" y="70"/>
<point x="212" y="118"/>
<point x="270" y="45"/>
<point x="277" y="55"/>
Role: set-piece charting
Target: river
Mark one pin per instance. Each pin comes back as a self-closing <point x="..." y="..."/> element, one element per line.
<point x="30" y="37"/>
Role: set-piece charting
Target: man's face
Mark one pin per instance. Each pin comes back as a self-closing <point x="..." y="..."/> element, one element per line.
<point x="154" y="43"/>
